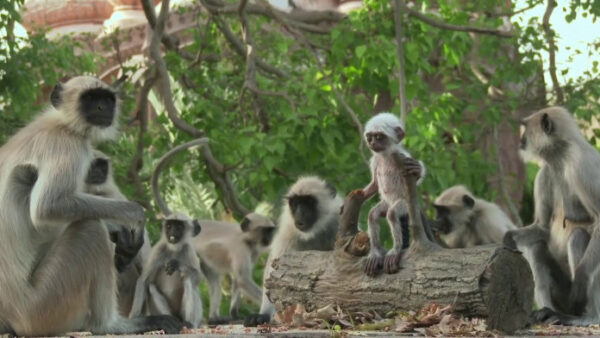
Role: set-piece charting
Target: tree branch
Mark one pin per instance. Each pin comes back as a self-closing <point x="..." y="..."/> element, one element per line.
<point x="501" y="183"/>
<point x="142" y="113"/>
<point x="215" y="169"/>
<point x="549" y="33"/>
<point x="444" y="25"/>
<point x="238" y="45"/>
<point x="399" y="4"/>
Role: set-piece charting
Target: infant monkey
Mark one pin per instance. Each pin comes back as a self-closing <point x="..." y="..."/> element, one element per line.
<point x="384" y="133"/>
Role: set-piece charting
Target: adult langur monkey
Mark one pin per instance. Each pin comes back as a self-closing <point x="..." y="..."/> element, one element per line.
<point x="57" y="262"/>
<point x="130" y="257"/>
<point x="466" y="220"/>
<point x="309" y="221"/>
<point x="224" y="248"/>
<point x="564" y="258"/>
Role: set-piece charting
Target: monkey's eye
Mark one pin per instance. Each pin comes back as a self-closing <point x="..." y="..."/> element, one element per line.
<point x="379" y="137"/>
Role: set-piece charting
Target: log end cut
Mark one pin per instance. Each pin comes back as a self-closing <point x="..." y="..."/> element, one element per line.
<point x="507" y="286"/>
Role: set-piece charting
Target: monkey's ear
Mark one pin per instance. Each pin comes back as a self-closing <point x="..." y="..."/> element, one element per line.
<point x="197" y="227"/>
<point x="547" y="125"/>
<point x="55" y="96"/>
<point x="399" y="133"/>
<point x="245" y="224"/>
<point x="468" y="201"/>
<point x="331" y="188"/>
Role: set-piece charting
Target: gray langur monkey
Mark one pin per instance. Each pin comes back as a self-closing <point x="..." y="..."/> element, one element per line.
<point x="170" y="292"/>
<point x="309" y="221"/>
<point x="467" y="221"/>
<point x="228" y="248"/>
<point x="384" y="133"/>
<point x="562" y="244"/>
<point x="172" y="274"/>
<point x="57" y="261"/>
<point x="224" y="248"/>
<point x="129" y="257"/>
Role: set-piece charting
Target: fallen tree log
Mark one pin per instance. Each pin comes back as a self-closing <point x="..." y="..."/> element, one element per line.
<point x="485" y="281"/>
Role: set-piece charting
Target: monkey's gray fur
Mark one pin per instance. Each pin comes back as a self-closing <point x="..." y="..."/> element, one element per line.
<point x="466" y="220"/>
<point x="295" y="234"/>
<point x="100" y="181"/>
<point x="57" y="261"/>
<point x="562" y="245"/>
<point x="228" y="248"/>
<point x="172" y="274"/>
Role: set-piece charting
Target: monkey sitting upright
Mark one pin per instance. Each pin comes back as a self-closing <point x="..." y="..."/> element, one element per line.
<point x="562" y="244"/>
<point x="309" y="221"/>
<point x="384" y="133"/>
<point x="130" y="256"/>
<point x="172" y="273"/>
<point x="228" y="248"/>
<point x="467" y="221"/>
<point x="57" y="261"/>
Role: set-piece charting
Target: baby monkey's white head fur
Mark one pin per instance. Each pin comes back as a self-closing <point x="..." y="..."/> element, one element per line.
<point x="87" y="107"/>
<point x="384" y="132"/>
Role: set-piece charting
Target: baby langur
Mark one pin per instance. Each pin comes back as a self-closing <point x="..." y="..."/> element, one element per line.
<point x="384" y="133"/>
<point x="466" y="220"/>
<point x="130" y="256"/>
<point x="562" y="244"/>
<point x="58" y="273"/>
<point x="228" y="248"/>
<point x="309" y="221"/>
<point x="172" y="273"/>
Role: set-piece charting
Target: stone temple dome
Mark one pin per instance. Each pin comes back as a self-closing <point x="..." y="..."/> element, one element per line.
<point x="66" y="16"/>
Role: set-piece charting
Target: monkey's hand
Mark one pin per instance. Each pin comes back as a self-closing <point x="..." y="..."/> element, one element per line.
<point x="127" y="246"/>
<point x="578" y="295"/>
<point x="412" y="167"/>
<point x="171" y="266"/>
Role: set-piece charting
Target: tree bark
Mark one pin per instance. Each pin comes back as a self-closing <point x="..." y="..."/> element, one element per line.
<point x="484" y="281"/>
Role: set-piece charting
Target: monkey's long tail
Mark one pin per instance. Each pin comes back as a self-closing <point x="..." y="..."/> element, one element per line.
<point x="161" y="165"/>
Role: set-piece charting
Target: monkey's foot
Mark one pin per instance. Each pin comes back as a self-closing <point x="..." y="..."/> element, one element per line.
<point x="169" y="324"/>
<point x="256" y="319"/>
<point x="391" y="262"/>
<point x="373" y="265"/>
<point x="545" y="315"/>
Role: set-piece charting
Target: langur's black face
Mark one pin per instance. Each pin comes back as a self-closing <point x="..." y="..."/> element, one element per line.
<point x="442" y="222"/>
<point x="305" y="211"/>
<point x="98" y="172"/>
<point x="267" y="235"/>
<point x="174" y="230"/>
<point x="97" y="106"/>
